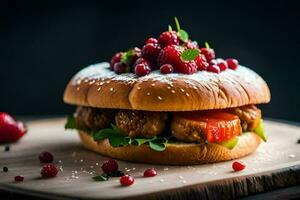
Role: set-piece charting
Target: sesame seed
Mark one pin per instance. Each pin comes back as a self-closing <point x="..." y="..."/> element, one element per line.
<point x="169" y="87"/>
<point x="183" y="181"/>
<point x="111" y="89"/>
<point x="159" y="97"/>
<point x="187" y="94"/>
<point x="181" y="177"/>
<point x="77" y="88"/>
<point x="107" y="81"/>
<point x="194" y="87"/>
<point x="182" y="90"/>
<point x="138" y="88"/>
<point x="153" y="84"/>
<point x="99" y="89"/>
<point x="148" y="93"/>
<point x="101" y="83"/>
<point x="173" y="91"/>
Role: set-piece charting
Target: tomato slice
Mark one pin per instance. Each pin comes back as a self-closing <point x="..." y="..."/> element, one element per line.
<point x="220" y="125"/>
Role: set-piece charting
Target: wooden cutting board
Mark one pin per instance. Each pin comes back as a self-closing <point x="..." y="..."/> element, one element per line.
<point x="275" y="164"/>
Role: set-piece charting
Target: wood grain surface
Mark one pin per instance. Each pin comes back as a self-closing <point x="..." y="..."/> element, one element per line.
<point x="274" y="165"/>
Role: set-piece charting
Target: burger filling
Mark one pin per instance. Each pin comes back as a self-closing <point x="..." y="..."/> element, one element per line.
<point x="157" y="128"/>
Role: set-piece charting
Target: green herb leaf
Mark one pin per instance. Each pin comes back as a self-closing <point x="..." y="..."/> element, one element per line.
<point x="157" y="146"/>
<point x="140" y="141"/>
<point x="71" y="123"/>
<point x="102" y="177"/>
<point x="127" y="56"/>
<point x="177" y="24"/>
<point x="170" y="28"/>
<point x="189" y="54"/>
<point x="260" y="131"/>
<point x="207" y="45"/>
<point x="117" y="140"/>
<point x="183" y="35"/>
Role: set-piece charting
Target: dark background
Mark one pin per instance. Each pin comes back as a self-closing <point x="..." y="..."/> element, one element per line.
<point x="43" y="43"/>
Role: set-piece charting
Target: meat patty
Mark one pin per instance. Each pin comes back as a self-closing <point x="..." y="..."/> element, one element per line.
<point x="187" y="130"/>
<point x="250" y="116"/>
<point x="94" y="118"/>
<point x="141" y="123"/>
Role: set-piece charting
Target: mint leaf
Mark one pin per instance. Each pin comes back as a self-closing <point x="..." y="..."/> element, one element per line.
<point x="183" y="35"/>
<point x="157" y="146"/>
<point x="71" y="123"/>
<point x="127" y="57"/>
<point x="177" y="24"/>
<point x="170" y="28"/>
<point x="102" y="177"/>
<point x="189" y="54"/>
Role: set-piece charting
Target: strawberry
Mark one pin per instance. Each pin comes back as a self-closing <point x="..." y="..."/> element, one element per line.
<point x="191" y="45"/>
<point x="10" y="130"/>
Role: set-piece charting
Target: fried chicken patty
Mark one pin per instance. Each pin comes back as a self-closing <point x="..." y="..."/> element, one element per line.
<point x="94" y="118"/>
<point x="141" y="123"/>
<point x="189" y="130"/>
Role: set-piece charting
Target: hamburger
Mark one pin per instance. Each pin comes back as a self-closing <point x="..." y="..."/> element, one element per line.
<point x="170" y="102"/>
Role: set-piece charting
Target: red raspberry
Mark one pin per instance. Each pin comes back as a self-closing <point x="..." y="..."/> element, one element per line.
<point x="46" y="157"/>
<point x="115" y="59"/>
<point x="151" y="40"/>
<point x="142" y="69"/>
<point x="150" y="172"/>
<point x="222" y="64"/>
<point x="150" y="52"/>
<point x="120" y="68"/>
<point x="19" y="178"/>
<point x="186" y="67"/>
<point x="232" y="63"/>
<point x="237" y="166"/>
<point x="126" y="180"/>
<point x="168" y="38"/>
<point x="166" y="69"/>
<point x="169" y="55"/>
<point x="109" y="166"/>
<point x="213" y="62"/>
<point x="213" y="68"/>
<point x="209" y="53"/>
<point x="201" y="62"/>
<point x="191" y="45"/>
<point x="10" y="130"/>
<point x="49" y="170"/>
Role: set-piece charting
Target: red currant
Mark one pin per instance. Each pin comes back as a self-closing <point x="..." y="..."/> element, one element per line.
<point x="19" y="178"/>
<point x="150" y="172"/>
<point x="126" y="180"/>
<point x="116" y="58"/>
<point x="209" y="53"/>
<point x="151" y="40"/>
<point x="110" y="166"/>
<point x="222" y="64"/>
<point x="237" y="166"/>
<point x="213" y="68"/>
<point x="120" y="68"/>
<point x="166" y="69"/>
<point x="49" y="170"/>
<point x="232" y="63"/>
<point x="46" y="157"/>
<point x="142" y="69"/>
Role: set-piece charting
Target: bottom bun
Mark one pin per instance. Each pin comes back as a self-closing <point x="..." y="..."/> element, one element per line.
<point x="175" y="153"/>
